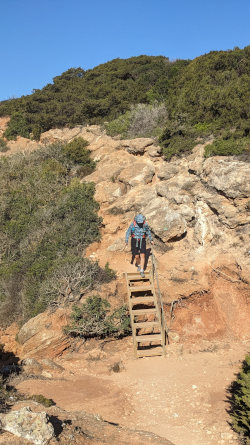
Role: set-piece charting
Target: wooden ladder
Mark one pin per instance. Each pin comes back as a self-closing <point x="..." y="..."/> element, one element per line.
<point x="146" y="313"/>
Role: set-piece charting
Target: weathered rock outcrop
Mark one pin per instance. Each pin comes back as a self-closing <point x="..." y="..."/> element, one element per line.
<point x="31" y="426"/>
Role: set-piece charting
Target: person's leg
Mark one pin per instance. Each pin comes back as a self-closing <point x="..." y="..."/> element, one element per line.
<point x="142" y="262"/>
<point x="143" y="256"/>
<point x="137" y="260"/>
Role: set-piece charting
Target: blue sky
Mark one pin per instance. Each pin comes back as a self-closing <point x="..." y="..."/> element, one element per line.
<point x="42" y="38"/>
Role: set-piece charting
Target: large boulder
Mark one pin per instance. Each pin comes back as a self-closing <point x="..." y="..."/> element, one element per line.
<point x="43" y="335"/>
<point x="228" y="176"/>
<point x="167" y="171"/>
<point x="134" y="200"/>
<point x="108" y="192"/>
<point x="35" y="427"/>
<point x="165" y="222"/>
<point x="110" y="167"/>
<point x="137" y="173"/>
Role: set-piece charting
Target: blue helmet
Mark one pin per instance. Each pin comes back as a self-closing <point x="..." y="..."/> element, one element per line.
<point x="140" y="218"/>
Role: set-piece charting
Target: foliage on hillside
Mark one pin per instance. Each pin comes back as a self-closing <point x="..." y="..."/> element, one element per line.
<point x="240" y="402"/>
<point x="79" y="97"/>
<point x="210" y="97"/>
<point x="47" y="218"/>
<point x="183" y="102"/>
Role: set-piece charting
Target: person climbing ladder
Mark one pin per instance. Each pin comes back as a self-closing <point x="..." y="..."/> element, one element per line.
<point x="139" y="231"/>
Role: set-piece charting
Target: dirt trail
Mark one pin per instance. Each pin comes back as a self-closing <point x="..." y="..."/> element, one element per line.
<point x="181" y="397"/>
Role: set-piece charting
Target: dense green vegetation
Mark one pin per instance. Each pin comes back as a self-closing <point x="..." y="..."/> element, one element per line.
<point x="183" y="102"/>
<point x="47" y="218"/>
<point x="240" y="402"/>
<point x="210" y="97"/>
<point x="79" y="97"/>
<point x="95" y="319"/>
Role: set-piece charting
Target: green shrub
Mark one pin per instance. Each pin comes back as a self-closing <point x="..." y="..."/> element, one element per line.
<point x="177" y="146"/>
<point x="95" y="319"/>
<point x="119" y="126"/>
<point x="76" y="152"/>
<point x="3" y="146"/>
<point x="239" y="399"/>
<point x="17" y="126"/>
<point x="227" y="147"/>
<point x="203" y="128"/>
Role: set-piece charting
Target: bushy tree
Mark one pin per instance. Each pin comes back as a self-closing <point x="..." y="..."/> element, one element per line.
<point x="94" y="318"/>
<point x="239" y="399"/>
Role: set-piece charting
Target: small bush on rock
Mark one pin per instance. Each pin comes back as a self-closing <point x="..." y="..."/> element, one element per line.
<point x="77" y="153"/>
<point x="39" y="398"/>
<point x="95" y="319"/>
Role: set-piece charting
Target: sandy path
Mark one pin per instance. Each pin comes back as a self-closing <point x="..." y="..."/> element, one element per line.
<point x="181" y="397"/>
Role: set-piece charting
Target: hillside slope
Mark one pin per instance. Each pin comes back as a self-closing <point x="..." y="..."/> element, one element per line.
<point x="198" y="210"/>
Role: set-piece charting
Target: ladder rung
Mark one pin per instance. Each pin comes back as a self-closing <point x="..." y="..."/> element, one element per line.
<point x="146" y="338"/>
<point x="140" y="288"/>
<point x="150" y="352"/>
<point x="143" y="311"/>
<point x="138" y="277"/>
<point x="136" y="273"/>
<point x="142" y="300"/>
<point x="145" y="324"/>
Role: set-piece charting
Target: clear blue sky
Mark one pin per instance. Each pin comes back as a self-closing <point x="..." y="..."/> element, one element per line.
<point x="42" y="38"/>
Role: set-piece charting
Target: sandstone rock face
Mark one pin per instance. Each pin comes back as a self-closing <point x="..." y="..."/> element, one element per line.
<point x="28" y="425"/>
<point x="136" y="174"/>
<point x="229" y="176"/>
<point x="108" y="192"/>
<point x="43" y="335"/>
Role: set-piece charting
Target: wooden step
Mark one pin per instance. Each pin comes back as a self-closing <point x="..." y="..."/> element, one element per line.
<point x="138" y="277"/>
<point x="142" y="300"/>
<point x="146" y="324"/>
<point x="146" y="287"/>
<point x="148" y="338"/>
<point x="129" y="274"/>
<point x="144" y="311"/>
<point x="150" y="352"/>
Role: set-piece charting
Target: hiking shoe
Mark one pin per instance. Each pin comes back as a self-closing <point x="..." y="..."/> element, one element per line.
<point x="138" y="268"/>
<point x="142" y="273"/>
